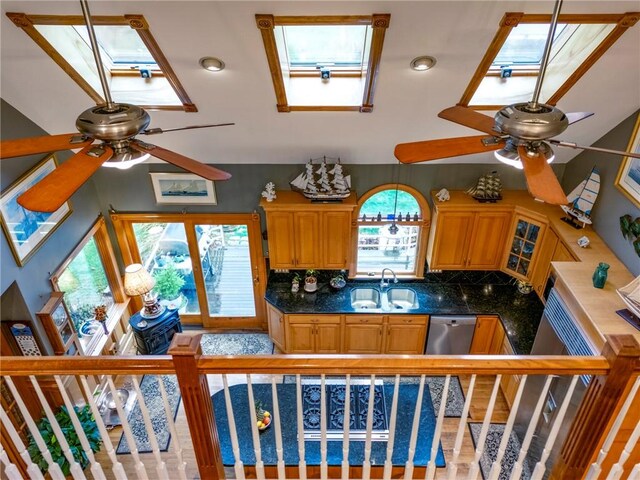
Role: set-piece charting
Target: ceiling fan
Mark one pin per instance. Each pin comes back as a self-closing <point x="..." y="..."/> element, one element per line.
<point x="520" y="135"/>
<point x="115" y="126"/>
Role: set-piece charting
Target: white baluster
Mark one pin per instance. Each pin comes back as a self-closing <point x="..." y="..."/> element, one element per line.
<point x="474" y="466"/>
<point x="54" y="469"/>
<point x="324" y="469"/>
<point x="596" y="467"/>
<point x="538" y="472"/>
<point x="516" y="471"/>
<point x="238" y="466"/>
<point x="431" y="468"/>
<point x="408" y="471"/>
<point x="452" y="467"/>
<point x="141" y="473"/>
<point x="616" y="470"/>
<point x="32" y="469"/>
<point x="388" y="464"/>
<point x="496" y="467"/>
<point x="275" y="419"/>
<point x="118" y="469"/>
<point x="635" y="472"/>
<point x="75" y="468"/>
<point x="161" y="466"/>
<point x="175" y="440"/>
<point x="96" y="468"/>
<point x="346" y="427"/>
<point x="366" y="466"/>
<point x="10" y="470"/>
<point x="254" y="431"/>
<point x="302" y="464"/>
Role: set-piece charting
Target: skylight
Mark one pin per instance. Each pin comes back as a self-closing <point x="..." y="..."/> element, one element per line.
<point x="525" y="44"/>
<point x="121" y="44"/>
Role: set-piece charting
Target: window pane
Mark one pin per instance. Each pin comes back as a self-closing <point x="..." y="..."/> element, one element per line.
<point x="384" y="202"/>
<point x="85" y="284"/>
<point x="525" y="44"/>
<point x="379" y="249"/>
<point x="121" y="43"/>
<point x="165" y="254"/>
<point x="341" y="45"/>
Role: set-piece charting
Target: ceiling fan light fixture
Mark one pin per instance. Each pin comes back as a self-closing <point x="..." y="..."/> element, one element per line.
<point x="212" y="64"/>
<point x="126" y="159"/>
<point x="423" y="63"/>
<point x="509" y="155"/>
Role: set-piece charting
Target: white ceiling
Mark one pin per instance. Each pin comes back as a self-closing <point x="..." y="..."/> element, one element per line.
<point x="406" y="103"/>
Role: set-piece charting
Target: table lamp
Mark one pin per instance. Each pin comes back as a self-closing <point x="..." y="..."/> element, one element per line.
<point x="137" y="281"/>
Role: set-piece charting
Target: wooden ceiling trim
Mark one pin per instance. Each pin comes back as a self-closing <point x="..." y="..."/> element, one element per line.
<point x="380" y="23"/>
<point x="266" y="24"/>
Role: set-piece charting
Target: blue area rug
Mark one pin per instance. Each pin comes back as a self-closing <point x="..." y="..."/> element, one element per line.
<point x="287" y="402"/>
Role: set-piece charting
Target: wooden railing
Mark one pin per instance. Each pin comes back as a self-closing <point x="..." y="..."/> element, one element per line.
<point x="590" y="448"/>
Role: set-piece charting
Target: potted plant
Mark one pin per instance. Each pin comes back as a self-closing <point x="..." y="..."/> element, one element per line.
<point x="64" y="420"/>
<point x="295" y="283"/>
<point x="311" y="281"/>
<point x="169" y="282"/>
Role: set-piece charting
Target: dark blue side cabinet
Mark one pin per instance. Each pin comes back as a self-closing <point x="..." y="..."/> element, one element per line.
<point x="153" y="335"/>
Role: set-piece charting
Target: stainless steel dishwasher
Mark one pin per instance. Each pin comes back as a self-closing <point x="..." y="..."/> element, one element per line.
<point x="450" y="335"/>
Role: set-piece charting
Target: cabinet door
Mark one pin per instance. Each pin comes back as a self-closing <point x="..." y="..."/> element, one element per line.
<point x="545" y="254"/>
<point x="276" y="327"/>
<point x="451" y="240"/>
<point x="483" y="335"/>
<point x="521" y="249"/>
<point x="562" y="254"/>
<point x="487" y="240"/>
<point x="363" y="334"/>
<point x="405" y="335"/>
<point x="328" y="338"/>
<point x="300" y="337"/>
<point x="336" y="235"/>
<point x="281" y="239"/>
<point x="307" y="239"/>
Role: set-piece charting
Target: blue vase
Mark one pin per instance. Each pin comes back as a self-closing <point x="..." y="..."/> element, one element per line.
<point x="600" y="275"/>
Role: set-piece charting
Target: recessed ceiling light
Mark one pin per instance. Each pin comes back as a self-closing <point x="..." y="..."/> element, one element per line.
<point x="212" y="64"/>
<point x="423" y="63"/>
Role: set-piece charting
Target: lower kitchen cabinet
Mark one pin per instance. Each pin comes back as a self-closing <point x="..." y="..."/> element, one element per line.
<point x="363" y="333"/>
<point x="313" y="333"/>
<point x="406" y="334"/>
<point x="275" y="319"/>
<point x="483" y="335"/>
<point x="509" y="383"/>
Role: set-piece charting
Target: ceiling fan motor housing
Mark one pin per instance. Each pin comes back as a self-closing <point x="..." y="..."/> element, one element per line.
<point x="120" y="123"/>
<point x="525" y="123"/>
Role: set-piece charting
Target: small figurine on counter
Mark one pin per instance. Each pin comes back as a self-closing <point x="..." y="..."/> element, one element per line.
<point x="269" y="191"/>
<point x="443" y="195"/>
<point x="583" y="241"/>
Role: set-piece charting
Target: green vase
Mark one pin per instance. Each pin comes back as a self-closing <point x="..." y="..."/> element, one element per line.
<point x="600" y="275"/>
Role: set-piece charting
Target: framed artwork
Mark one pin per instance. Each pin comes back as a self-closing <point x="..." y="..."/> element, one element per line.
<point x="27" y="231"/>
<point x="25" y="340"/>
<point x="628" y="179"/>
<point x="183" y="188"/>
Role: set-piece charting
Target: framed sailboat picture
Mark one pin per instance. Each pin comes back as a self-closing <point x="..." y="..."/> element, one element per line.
<point x="182" y="188"/>
<point x="628" y="179"/>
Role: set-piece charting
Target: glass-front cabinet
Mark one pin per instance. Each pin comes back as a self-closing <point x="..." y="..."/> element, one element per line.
<point x="526" y="234"/>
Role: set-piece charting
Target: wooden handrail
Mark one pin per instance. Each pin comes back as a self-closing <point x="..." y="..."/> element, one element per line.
<point x="77" y="365"/>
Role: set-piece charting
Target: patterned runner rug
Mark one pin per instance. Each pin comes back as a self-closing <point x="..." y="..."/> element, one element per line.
<point x="490" y="453"/>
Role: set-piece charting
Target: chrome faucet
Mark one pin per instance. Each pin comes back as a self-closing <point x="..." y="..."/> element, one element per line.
<point x="386" y="284"/>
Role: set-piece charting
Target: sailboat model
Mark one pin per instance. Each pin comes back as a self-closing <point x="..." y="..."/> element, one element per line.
<point x="323" y="184"/>
<point x="581" y="201"/>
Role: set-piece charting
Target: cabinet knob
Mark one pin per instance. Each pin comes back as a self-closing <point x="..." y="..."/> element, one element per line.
<point x="407" y="320"/>
<point x="314" y="320"/>
<point x="364" y="320"/>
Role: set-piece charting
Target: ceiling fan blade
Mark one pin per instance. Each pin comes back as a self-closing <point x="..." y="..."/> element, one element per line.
<point x="470" y="118"/>
<point x="594" y="149"/>
<point x="48" y="143"/>
<point x="186" y="163"/>
<point x="52" y="191"/>
<point x="154" y="131"/>
<point x="415" y="152"/>
<point x="574" y="117"/>
<point x="542" y="183"/>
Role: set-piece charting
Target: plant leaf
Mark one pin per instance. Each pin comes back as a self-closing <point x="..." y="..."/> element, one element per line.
<point x="625" y="223"/>
<point x="635" y="227"/>
<point x="636" y="245"/>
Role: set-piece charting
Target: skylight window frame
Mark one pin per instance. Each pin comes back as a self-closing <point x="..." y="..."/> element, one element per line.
<point x="267" y="23"/>
<point x="510" y="20"/>
<point x="137" y="22"/>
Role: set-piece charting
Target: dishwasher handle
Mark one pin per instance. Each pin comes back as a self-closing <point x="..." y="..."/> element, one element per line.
<point x="453" y="320"/>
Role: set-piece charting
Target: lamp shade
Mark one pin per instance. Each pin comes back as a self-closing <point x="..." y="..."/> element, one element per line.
<point x="137" y="281"/>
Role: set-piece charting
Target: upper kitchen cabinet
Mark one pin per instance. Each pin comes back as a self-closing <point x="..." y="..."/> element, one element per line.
<point x="525" y="235"/>
<point x="304" y="234"/>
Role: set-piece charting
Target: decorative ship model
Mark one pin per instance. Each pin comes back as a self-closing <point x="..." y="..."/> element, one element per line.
<point x="581" y="201"/>
<point x="323" y="184"/>
<point x="488" y="188"/>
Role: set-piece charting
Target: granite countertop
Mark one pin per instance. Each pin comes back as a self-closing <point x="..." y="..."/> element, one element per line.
<point x="520" y="314"/>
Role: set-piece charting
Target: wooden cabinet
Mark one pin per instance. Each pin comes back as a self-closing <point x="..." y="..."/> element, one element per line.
<point x="363" y="333"/>
<point x="509" y="383"/>
<point x="468" y="240"/>
<point x="302" y="234"/>
<point x="405" y="334"/>
<point x="275" y="320"/>
<point x="57" y="323"/>
<point x="552" y="249"/>
<point x="525" y="234"/>
<point x="313" y="334"/>
<point x="483" y="335"/>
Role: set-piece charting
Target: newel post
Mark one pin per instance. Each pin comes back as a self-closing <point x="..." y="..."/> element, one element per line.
<point x="185" y="350"/>
<point x="601" y="403"/>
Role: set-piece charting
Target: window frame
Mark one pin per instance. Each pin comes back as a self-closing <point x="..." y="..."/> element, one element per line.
<point x="267" y="23"/>
<point x="424" y="224"/>
<point x="510" y="20"/>
<point x="137" y="22"/>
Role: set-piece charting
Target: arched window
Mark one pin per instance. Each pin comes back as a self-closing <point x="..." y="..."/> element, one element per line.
<point x="391" y="230"/>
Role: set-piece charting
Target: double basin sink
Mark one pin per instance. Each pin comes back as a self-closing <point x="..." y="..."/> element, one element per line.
<point x="391" y="299"/>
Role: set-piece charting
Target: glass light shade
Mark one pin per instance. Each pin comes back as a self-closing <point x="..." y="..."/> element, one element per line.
<point x="509" y="154"/>
<point x="137" y="281"/>
<point x="127" y="159"/>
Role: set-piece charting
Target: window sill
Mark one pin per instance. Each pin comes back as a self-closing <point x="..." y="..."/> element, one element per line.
<point x="93" y="345"/>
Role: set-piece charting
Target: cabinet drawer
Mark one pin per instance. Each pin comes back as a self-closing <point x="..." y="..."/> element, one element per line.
<point x="366" y="319"/>
<point x="408" y="319"/>
<point x="314" y="319"/>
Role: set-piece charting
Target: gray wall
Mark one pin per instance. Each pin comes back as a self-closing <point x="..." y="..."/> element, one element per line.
<point x="33" y="279"/>
<point x="611" y="203"/>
